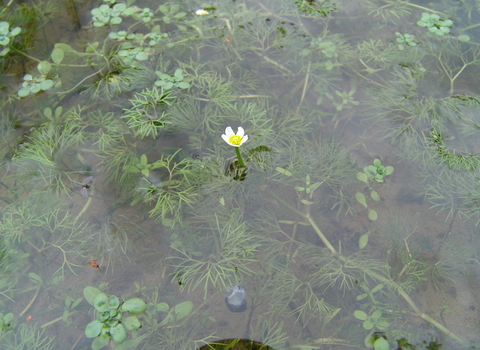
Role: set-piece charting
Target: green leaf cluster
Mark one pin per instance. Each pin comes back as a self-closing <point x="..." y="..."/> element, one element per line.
<point x="149" y="112"/>
<point x="372" y="214"/>
<point x="121" y="35"/>
<point x="374" y="320"/>
<point x="130" y="53"/>
<point x="406" y="39"/>
<point x="110" y="323"/>
<point x="34" y="84"/>
<point x="346" y="99"/>
<point x="105" y="14"/>
<point x="168" y="81"/>
<point x="435" y="24"/>
<point x="171" y="13"/>
<point x="320" y="8"/>
<point x="142" y="166"/>
<point x="378" y="170"/>
<point x="6" y="36"/>
<point x="144" y="15"/>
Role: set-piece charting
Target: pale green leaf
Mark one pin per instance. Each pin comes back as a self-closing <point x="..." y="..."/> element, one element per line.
<point x="375" y="196"/>
<point x="363" y="241"/>
<point x="89" y="293"/>
<point x="361" y="199"/>
<point x="361" y="315"/>
<point x="362" y="177"/>
<point x="134" y="306"/>
<point x="57" y="55"/>
<point x="44" y="67"/>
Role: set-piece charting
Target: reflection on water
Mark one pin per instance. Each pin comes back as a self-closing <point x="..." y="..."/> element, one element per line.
<point x="348" y="218"/>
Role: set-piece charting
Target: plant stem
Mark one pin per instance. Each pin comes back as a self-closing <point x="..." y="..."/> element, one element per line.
<point x="373" y="274"/>
<point x="31" y="302"/>
<point x="309" y="219"/>
<point x="422" y="8"/>
<point x="239" y="156"/>
<point x="57" y="319"/>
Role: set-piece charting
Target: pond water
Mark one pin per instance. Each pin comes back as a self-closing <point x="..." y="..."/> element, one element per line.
<point x="340" y="210"/>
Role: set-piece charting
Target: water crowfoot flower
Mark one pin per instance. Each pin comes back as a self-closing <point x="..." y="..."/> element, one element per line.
<point x="236" y="140"/>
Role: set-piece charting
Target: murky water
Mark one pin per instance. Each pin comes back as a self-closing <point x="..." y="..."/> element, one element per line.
<point x="348" y="217"/>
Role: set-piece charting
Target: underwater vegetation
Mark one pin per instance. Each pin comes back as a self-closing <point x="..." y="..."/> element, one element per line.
<point x="346" y="214"/>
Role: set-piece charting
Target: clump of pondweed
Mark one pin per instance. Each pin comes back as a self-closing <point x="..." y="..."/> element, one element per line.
<point x="215" y="252"/>
<point x="39" y="224"/>
<point x="111" y="243"/>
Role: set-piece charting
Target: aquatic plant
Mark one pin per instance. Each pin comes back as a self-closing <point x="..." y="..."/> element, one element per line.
<point x="34" y="84"/>
<point x="7" y="34"/>
<point x="406" y="39"/>
<point x="111" y="13"/>
<point x="163" y="82"/>
<point x="26" y="336"/>
<point x="168" y="81"/>
<point x="435" y="24"/>
<point x="110" y="324"/>
<point x="378" y="170"/>
<point x="149" y="112"/>
<point x="236" y="139"/>
<point x="219" y="257"/>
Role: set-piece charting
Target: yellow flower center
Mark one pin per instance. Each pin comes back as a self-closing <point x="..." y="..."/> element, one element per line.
<point x="235" y="140"/>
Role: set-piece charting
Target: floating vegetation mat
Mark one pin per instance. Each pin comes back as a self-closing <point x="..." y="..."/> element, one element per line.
<point x="284" y="174"/>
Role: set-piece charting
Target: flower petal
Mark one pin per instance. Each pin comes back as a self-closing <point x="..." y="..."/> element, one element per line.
<point x="244" y="139"/>
<point x="229" y="131"/>
<point x="226" y="138"/>
<point x="240" y="131"/>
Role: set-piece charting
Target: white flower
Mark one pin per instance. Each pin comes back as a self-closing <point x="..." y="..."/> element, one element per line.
<point x="201" y="12"/>
<point x="235" y="139"/>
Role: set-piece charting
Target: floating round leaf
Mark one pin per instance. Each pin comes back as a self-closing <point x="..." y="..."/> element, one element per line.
<point x="57" y="55"/>
<point x="141" y="56"/>
<point x="100" y="302"/>
<point x="89" y="293"/>
<point x="134" y="306"/>
<point x="362" y="177"/>
<point x="381" y="344"/>
<point x="113" y="302"/>
<point x="100" y="342"/>
<point x="183" y="85"/>
<point x="376" y="315"/>
<point x="93" y="329"/>
<point x="44" y="67"/>
<point x="35" y="88"/>
<point x="372" y="169"/>
<point x="368" y="325"/>
<point x="118" y="334"/>
<point x="361" y="315"/>
<point x="162" y="307"/>
<point x="132" y="323"/>
<point x="183" y="309"/>
<point x="375" y="196"/>
<point x="372" y="214"/>
<point x="47" y="84"/>
<point x="363" y="241"/>
<point x="24" y="92"/>
<point x="382" y="324"/>
<point x="361" y="199"/>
